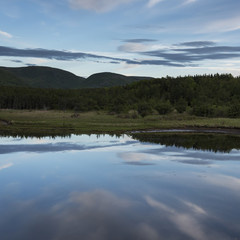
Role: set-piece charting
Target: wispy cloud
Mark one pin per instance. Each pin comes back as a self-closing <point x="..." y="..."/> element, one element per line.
<point x="70" y="56"/>
<point x="194" y="52"/>
<point x="197" y="44"/>
<point x="133" y="47"/>
<point x="189" y="1"/>
<point x="222" y="25"/>
<point x="49" y="54"/>
<point x="5" y="34"/>
<point x="142" y="53"/>
<point x="152" y="3"/>
<point x="139" y="40"/>
<point x="97" y="5"/>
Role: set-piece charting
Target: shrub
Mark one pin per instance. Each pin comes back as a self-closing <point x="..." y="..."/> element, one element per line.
<point x="164" y="107"/>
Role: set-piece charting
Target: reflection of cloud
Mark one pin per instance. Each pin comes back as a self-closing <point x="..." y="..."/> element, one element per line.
<point x="56" y="147"/>
<point x="195" y="161"/>
<point x="195" y="208"/>
<point x="6" y="166"/>
<point x="148" y="156"/>
<point x="186" y="222"/>
<point x="228" y="182"/>
<point x="146" y="231"/>
<point x="95" y="215"/>
<point x="138" y="159"/>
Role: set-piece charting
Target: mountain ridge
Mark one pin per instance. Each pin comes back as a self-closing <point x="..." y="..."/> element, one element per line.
<point x="48" y="77"/>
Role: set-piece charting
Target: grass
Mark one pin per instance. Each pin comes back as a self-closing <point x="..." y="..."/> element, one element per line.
<point x="43" y="123"/>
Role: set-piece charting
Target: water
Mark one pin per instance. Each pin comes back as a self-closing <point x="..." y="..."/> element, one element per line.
<point x="105" y="187"/>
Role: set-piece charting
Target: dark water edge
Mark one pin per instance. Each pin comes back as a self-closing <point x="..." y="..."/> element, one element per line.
<point x="222" y="140"/>
<point x="198" y="140"/>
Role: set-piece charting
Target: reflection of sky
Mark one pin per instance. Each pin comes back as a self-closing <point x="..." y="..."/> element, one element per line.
<point x="79" y="188"/>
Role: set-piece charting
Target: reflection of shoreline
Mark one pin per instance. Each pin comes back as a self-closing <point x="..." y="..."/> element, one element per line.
<point x="234" y="131"/>
<point x="215" y="141"/>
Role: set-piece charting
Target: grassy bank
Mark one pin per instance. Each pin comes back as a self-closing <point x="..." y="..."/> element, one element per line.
<point x="42" y="123"/>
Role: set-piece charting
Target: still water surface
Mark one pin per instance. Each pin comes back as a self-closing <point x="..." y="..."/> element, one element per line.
<point x="109" y="188"/>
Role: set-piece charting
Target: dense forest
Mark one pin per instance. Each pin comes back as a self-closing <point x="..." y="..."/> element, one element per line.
<point x="207" y="95"/>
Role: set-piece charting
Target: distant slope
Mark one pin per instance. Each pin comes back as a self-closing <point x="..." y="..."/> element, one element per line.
<point x="46" y="77"/>
<point x="108" y="79"/>
<point x="9" y="79"/>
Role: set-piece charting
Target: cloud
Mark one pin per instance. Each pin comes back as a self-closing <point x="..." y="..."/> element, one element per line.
<point x="135" y="45"/>
<point x="105" y="5"/>
<point x="177" y="55"/>
<point x="69" y="56"/>
<point x="51" y="54"/>
<point x="152" y="3"/>
<point x="186" y="2"/>
<point x="197" y="44"/>
<point x="139" y="40"/>
<point x="5" y="34"/>
<point x="222" y="25"/>
<point x="132" y="47"/>
<point x="207" y="50"/>
<point x="16" y="61"/>
<point x="196" y="54"/>
<point x="156" y="62"/>
<point x="97" y="5"/>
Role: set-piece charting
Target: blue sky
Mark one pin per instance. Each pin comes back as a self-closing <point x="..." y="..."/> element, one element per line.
<point x="131" y="37"/>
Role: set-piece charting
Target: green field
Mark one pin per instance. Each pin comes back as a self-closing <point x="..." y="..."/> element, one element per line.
<point x="46" y="123"/>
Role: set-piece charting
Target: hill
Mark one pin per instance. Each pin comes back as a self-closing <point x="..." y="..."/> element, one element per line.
<point x="42" y="77"/>
<point x="46" y="77"/>
<point x="9" y="79"/>
<point x="108" y="79"/>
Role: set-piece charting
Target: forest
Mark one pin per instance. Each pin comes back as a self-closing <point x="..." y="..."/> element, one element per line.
<point x="201" y="95"/>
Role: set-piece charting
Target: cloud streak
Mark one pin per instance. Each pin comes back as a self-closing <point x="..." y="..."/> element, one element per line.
<point x="5" y="34"/>
<point x="152" y="3"/>
<point x="178" y="55"/>
<point x="97" y="5"/>
<point x="195" y="52"/>
<point x="70" y="56"/>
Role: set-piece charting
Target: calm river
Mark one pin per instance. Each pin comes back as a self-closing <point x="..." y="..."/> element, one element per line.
<point x="117" y="188"/>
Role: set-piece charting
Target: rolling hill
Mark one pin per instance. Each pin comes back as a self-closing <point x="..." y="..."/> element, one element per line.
<point x="42" y="77"/>
<point x="47" y="77"/>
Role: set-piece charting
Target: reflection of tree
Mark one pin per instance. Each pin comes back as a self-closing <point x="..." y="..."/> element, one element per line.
<point x="200" y="141"/>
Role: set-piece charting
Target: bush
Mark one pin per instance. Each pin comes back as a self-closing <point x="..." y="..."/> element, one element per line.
<point x="234" y="110"/>
<point x="164" y="107"/>
<point x="144" y="109"/>
<point x="181" y="105"/>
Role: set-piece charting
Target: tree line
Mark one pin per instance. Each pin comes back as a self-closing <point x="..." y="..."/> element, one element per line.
<point x="202" y="95"/>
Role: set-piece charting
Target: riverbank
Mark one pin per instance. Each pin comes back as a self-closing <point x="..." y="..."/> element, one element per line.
<point x="47" y="123"/>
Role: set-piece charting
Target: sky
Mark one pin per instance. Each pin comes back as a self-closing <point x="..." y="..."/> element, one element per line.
<point x="131" y="37"/>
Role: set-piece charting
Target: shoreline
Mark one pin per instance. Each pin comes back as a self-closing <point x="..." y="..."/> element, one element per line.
<point x="52" y="123"/>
